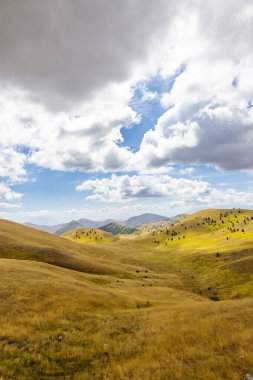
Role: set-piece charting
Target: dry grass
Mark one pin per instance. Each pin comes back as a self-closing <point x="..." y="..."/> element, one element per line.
<point x="130" y="309"/>
<point x="24" y="243"/>
<point x="106" y="336"/>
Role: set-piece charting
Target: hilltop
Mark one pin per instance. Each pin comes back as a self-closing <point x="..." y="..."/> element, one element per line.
<point x="89" y="235"/>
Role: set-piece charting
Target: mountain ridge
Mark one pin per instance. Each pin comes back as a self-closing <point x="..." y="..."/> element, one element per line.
<point x="132" y="222"/>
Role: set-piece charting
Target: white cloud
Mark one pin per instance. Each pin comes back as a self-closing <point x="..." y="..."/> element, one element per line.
<point x="63" y="52"/>
<point x="65" y="95"/>
<point x="4" y="205"/>
<point x="85" y="139"/>
<point x="127" y="188"/>
<point x="8" y="196"/>
<point x="42" y="215"/>
<point x="213" y="91"/>
<point x="12" y="164"/>
<point x="187" y="171"/>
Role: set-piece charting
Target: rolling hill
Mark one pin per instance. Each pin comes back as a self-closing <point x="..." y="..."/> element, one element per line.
<point x="213" y="246"/>
<point x="89" y="235"/>
<point x="210" y="230"/>
<point x="23" y="243"/>
<point x="171" y="303"/>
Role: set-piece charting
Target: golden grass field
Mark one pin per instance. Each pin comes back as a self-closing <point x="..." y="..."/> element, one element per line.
<point x="133" y="307"/>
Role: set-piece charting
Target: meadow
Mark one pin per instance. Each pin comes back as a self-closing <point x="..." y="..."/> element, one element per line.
<point x="172" y="303"/>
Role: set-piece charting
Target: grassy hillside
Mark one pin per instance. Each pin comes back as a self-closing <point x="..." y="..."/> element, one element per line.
<point x="140" y="307"/>
<point x="24" y="243"/>
<point x="89" y="235"/>
<point x="210" y="230"/>
<point x="118" y="229"/>
<point x="63" y="325"/>
<point x="197" y="248"/>
<point x="159" y="225"/>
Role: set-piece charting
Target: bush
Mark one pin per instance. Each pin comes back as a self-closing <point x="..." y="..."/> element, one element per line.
<point x="215" y="298"/>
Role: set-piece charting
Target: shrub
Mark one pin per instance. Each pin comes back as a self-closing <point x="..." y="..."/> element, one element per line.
<point x="215" y="298"/>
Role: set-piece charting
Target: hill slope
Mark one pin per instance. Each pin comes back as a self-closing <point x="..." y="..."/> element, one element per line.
<point x="63" y="324"/>
<point x="89" y="235"/>
<point x="214" y="247"/>
<point x="118" y="229"/>
<point x="210" y="230"/>
<point x="23" y="243"/>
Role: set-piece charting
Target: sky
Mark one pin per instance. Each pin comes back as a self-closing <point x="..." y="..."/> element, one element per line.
<point x="114" y="108"/>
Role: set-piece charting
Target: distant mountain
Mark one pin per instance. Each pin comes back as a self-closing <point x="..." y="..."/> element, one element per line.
<point x="136" y="221"/>
<point x="60" y="229"/>
<point x="42" y="227"/>
<point x="95" y="224"/>
<point x="160" y="225"/>
<point x="177" y="218"/>
<point x="68" y="227"/>
<point x="113" y="224"/>
<point x="118" y="229"/>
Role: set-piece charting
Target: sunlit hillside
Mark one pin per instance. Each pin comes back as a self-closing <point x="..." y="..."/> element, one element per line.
<point x="89" y="235"/>
<point x="24" y="243"/>
<point x="209" y="230"/>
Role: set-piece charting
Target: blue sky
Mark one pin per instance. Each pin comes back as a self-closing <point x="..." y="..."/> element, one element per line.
<point x="146" y="114"/>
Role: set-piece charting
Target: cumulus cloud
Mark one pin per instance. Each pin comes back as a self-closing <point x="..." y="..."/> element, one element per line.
<point x="217" y="135"/>
<point x="209" y="114"/>
<point x="85" y="139"/>
<point x="63" y="51"/>
<point x="12" y="164"/>
<point x="8" y="196"/>
<point x="127" y="188"/>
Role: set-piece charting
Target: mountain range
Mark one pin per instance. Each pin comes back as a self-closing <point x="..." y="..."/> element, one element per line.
<point x="132" y="223"/>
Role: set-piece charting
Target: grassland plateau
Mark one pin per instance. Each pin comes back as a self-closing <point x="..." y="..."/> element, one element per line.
<point x="170" y="302"/>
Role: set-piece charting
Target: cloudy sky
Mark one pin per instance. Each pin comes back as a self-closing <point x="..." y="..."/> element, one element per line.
<point x="114" y="108"/>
